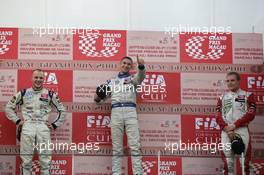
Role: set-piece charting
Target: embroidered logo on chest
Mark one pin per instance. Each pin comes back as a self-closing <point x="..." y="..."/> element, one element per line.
<point x="44" y="97"/>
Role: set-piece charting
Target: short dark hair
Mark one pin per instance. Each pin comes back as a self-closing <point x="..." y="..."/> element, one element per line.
<point x="234" y="73"/>
<point x="126" y="57"/>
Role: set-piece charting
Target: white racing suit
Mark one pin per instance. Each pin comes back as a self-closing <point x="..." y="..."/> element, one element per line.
<point x="124" y="118"/>
<point x="35" y="107"/>
<point x="236" y="108"/>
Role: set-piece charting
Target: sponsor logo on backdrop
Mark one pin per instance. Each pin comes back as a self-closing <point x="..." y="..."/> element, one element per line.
<point x="59" y="166"/>
<point x="258" y="168"/>
<point x="207" y="130"/>
<point x="98" y="128"/>
<point x="194" y="47"/>
<point x="87" y="44"/>
<point x="95" y="128"/>
<point x="98" y="122"/>
<point x="100" y="44"/>
<point x="168" y="167"/>
<point x="255" y="84"/>
<point x="51" y="81"/>
<point x="206" y="124"/>
<point x="206" y="47"/>
<point x="164" y="166"/>
<point x="35" y="168"/>
<point x="160" y="87"/>
<point x="148" y="167"/>
<point x="201" y="133"/>
<point x="8" y="43"/>
<point x="153" y="80"/>
<point x="5" y="42"/>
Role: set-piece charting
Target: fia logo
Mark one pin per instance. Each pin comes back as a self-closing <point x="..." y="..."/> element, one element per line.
<point x="99" y="121"/>
<point x="256" y="82"/>
<point x="154" y="87"/>
<point x="153" y="79"/>
<point x="206" y="124"/>
<point x="50" y="78"/>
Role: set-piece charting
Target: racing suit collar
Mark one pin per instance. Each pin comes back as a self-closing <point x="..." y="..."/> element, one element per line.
<point x="235" y="92"/>
<point x="37" y="90"/>
<point x="123" y="74"/>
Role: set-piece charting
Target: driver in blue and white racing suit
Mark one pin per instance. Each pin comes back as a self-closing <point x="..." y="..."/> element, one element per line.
<point x="124" y="114"/>
<point x="36" y="104"/>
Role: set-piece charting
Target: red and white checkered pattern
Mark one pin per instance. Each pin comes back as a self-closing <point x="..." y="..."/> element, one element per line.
<point x="87" y="45"/>
<point x="193" y="49"/>
<point x="35" y="169"/>
<point x="257" y="167"/>
<point x="147" y="165"/>
<point x="3" y="49"/>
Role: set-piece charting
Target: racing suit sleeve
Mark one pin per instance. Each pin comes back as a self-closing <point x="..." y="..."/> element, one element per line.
<point x="219" y="118"/>
<point x="250" y="114"/>
<point x="60" y="109"/>
<point x="10" y="108"/>
<point x="140" y="75"/>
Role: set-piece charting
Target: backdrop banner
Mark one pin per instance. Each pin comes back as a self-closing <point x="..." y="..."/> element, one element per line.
<point x="179" y="133"/>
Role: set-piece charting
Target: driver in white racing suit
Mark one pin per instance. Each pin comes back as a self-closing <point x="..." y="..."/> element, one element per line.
<point x="124" y="114"/>
<point x="36" y="104"/>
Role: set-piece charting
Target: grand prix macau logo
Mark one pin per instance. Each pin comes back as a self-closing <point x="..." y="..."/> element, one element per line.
<point x="96" y="44"/>
<point x="206" y="47"/>
<point x="4" y="41"/>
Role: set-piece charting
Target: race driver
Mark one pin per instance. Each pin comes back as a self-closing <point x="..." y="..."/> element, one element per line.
<point x="36" y="104"/>
<point x="124" y="114"/>
<point x="235" y="110"/>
